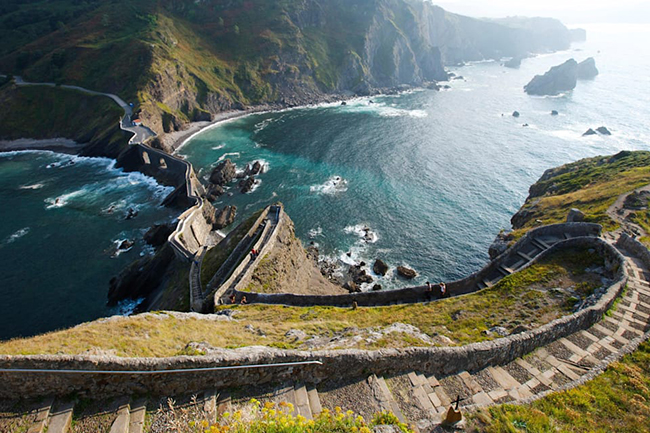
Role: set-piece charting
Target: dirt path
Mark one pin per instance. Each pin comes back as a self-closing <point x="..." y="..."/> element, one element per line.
<point x="619" y="213"/>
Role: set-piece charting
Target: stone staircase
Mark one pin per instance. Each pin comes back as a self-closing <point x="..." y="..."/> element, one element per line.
<point x="418" y="398"/>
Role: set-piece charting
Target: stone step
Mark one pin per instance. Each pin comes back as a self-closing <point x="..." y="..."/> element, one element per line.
<point x="138" y="411"/>
<point x="210" y="405"/>
<point x="384" y="396"/>
<point x="123" y="420"/>
<point x="487" y="283"/>
<point x="503" y="378"/>
<point x="524" y="256"/>
<point x="302" y="401"/>
<point x="42" y="413"/>
<point x="314" y="400"/>
<point x="60" y="418"/>
<point x="567" y="236"/>
<point x="224" y="403"/>
<point x="540" y="244"/>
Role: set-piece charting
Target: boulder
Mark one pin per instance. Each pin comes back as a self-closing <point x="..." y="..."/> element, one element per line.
<point x="589" y="132"/>
<point x="246" y="185"/>
<point x="558" y="79"/>
<point x="158" y="234"/>
<point x="405" y="272"/>
<point x="587" y="69"/>
<point x="380" y="268"/>
<point x="515" y="114"/>
<point x="359" y="275"/>
<point x="214" y="191"/>
<point x="131" y="213"/>
<point x="376" y="287"/>
<point x="603" y="130"/>
<point x="513" y="63"/>
<point x="575" y="216"/>
<point x="352" y="287"/>
<point x="554" y="113"/>
<point x="225" y="217"/>
<point x="500" y="244"/>
<point x="223" y="173"/>
<point x="344" y="103"/>
<point x="254" y="169"/>
<point x="125" y="245"/>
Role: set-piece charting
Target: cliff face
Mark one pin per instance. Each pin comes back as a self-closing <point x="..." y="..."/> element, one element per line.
<point x="183" y="60"/>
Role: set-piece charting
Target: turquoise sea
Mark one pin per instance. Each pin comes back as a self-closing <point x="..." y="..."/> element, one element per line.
<point x="62" y="218"/>
<point x="433" y="175"/>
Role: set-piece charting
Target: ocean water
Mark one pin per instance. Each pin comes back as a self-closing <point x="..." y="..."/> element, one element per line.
<point x="434" y="175"/>
<point x="62" y="218"/>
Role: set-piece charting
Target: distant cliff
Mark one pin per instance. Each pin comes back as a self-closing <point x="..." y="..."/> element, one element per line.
<point x="184" y="60"/>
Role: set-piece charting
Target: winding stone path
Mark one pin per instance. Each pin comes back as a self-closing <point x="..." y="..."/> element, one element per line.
<point x="140" y="133"/>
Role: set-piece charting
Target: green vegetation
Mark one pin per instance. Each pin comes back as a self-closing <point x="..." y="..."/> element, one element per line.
<point x="616" y="401"/>
<point x="217" y="255"/>
<point x="591" y="185"/>
<point x="48" y="112"/>
<point x="533" y="297"/>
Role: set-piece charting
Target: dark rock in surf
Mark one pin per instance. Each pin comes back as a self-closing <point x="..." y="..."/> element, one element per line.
<point x="380" y="268"/>
<point x="405" y="272"/>
<point x="515" y="114"/>
<point x="223" y="173"/>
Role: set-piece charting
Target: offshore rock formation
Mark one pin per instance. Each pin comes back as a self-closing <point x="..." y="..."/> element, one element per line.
<point x="587" y="69"/>
<point x="558" y="79"/>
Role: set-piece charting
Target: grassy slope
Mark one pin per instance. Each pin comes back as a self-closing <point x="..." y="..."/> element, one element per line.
<point x="516" y="297"/>
<point x="591" y="185"/>
<point x="616" y="401"/>
<point x="45" y="112"/>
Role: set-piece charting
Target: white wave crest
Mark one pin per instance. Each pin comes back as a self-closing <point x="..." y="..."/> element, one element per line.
<point x="33" y="186"/>
<point x="364" y="232"/>
<point x="17" y="235"/>
<point x="333" y="185"/>
<point x="226" y="155"/>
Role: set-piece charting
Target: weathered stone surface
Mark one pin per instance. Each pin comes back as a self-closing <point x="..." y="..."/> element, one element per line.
<point x="587" y="69"/>
<point x="558" y="79"/>
<point x="380" y="268"/>
<point x="225" y="217"/>
<point x="499" y="245"/>
<point x="246" y="185"/>
<point x="575" y="216"/>
<point x="158" y="234"/>
<point x="405" y="272"/>
<point x="223" y="173"/>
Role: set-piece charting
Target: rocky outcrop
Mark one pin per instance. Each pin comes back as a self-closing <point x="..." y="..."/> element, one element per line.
<point x="513" y="63"/>
<point x="157" y="235"/>
<point x="405" y="272"/>
<point x="225" y="217"/>
<point x="358" y="274"/>
<point x="246" y="185"/>
<point x="288" y="268"/>
<point x="575" y="216"/>
<point x="558" y="79"/>
<point x="589" y="132"/>
<point x="603" y="130"/>
<point x="516" y="114"/>
<point x="223" y="173"/>
<point x="587" y="69"/>
<point x="500" y="244"/>
<point x="380" y="268"/>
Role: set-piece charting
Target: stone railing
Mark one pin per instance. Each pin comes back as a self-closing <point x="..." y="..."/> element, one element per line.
<point x="455" y="288"/>
<point x="440" y="361"/>
<point x="242" y="275"/>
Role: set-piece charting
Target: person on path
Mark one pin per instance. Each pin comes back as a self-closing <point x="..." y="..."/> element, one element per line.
<point x="443" y="290"/>
<point x="429" y="291"/>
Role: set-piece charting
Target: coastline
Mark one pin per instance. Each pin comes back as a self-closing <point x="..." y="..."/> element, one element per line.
<point x="59" y="145"/>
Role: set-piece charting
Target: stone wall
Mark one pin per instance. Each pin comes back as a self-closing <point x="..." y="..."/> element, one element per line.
<point x="353" y="363"/>
<point x="456" y="288"/>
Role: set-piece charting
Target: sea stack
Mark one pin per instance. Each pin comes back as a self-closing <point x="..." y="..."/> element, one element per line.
<point x="558" y="79"/>
<point x="587" y="69"/>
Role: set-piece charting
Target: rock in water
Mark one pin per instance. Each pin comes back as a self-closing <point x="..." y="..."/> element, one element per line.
<point x="225" y="217"/>
<point x="513" y="63"/>
<point x="558" y="79"/>
<point x="603" y="130"/>
<point x="515" y="114"/>
<point x="587" y="69"/>
<point x="125" y="245"/>
<point x="247" y="185"/>
<point x="554" y="113"/>
<point x="223" y="173"/>
<point x="376" y="287"/>
<point x="380" y="268"/>
<point x="575" y="216"/>
<point x="214" y="191"/>
<point x="405" y="272"/>
<point x="589" y="132"/>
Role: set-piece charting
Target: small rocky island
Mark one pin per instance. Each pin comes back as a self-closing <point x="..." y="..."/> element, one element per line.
<point x="562" y="78"/>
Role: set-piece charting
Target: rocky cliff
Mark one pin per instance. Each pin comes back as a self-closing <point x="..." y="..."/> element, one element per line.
<point x="183" y="60"/>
